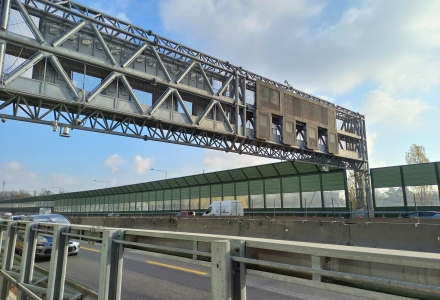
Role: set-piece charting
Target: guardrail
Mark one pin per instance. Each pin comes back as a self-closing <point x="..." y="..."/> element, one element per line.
<point x="366" y="272"/>
<point x="363" y="213"/>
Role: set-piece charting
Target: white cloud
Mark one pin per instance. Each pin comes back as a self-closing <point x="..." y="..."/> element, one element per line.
<point x="17" y="176"/>
<point x="142" y="164"/>
<point x="382" y="107"/>
<point x="114" y="182"/>
<point x="114" y="161"/>
<point x="118" y="8"/>
<point x="318" y="49"/>
<point x="13" y="166"/>
<point x="63" y="180"/>
<point x="217" y="160"/>
<point x="371" y="137"/>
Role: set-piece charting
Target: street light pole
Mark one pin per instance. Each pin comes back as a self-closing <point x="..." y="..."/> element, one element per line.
<point x="163" y="171"/>
<point x="106" y="182"/>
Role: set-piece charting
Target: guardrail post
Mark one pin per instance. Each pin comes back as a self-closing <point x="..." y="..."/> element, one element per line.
<point x="111" y="265"/>
<point x="58" y="262"/>
<point x="1" y="236"/>
<point x="238" y="248"/>
<point x="316" y="264"/>
<point x="221" y="270"/>
<point x="195" y="248"/>
<point x="28" y="256"/>
<point x="8" y="257"/>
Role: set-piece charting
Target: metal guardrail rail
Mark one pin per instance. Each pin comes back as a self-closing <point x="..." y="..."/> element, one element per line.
<point x="366" y="272"/>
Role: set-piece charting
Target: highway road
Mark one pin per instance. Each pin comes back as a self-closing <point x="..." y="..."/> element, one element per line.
<point x="150" y="277"/>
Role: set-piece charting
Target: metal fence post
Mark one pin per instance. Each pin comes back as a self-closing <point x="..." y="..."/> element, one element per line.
<point x="316" y="264"/>
<point x="195" y="248"/>
<point x="221" y="270"/>
<point x="58" y="262"/>
<point x="27" y="258"/>
<point x="238" y="248"/>
<point x="8" y="257"/>
<point x="1" y="236"/>
<point x="111" y="265"/>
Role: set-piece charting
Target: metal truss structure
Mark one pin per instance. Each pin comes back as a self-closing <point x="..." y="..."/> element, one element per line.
<point x="94" y="72"/>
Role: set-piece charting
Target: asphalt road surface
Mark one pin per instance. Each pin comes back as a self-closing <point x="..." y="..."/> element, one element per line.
<point x="149" y="277"/>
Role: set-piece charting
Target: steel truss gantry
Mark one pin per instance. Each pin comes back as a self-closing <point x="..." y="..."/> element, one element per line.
<point x="130" y="60"/>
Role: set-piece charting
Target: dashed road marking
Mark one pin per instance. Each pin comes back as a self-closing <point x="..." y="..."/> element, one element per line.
<point x="90" y="249"/>
<point x="176" y="268"/>
<point x="157" y="263"/>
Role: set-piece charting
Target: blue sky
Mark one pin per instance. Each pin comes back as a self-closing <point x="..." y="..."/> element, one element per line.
<point x="379" y="58"/>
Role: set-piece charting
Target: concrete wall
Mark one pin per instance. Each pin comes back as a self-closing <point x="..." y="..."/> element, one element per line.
<point x="402" y="235"/>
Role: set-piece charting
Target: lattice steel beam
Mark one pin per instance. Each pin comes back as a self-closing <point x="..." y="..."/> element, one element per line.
<point x="98" y="120"/>
<point x="103" y="119"/>
<point x="123" y="30"/>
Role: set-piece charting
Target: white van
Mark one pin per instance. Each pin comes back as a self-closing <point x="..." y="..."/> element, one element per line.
<point x="225" y="208"/>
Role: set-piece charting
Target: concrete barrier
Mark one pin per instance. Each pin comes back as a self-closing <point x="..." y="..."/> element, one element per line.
<point x="210" y="225"/>
<point x="401" y="236"/>
<point x="423" y="238"/>
<point x="167" y="224"/>
<point x="119" y="222"/>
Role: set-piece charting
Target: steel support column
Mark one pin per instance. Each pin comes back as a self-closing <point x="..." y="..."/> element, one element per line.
<point x="237" y="103"/>
<point x="206" y="78"/>
<point x="65" y="35"/>
<point x="27" y="257"/>
<point x="205" y="112"/>
<point x="24" y="67"/>
<point x="102" y="86"/>
<point x="58" y="262"/>
<point x="111" y="265"/>
<point x="2" y="58"/>
<point x="135" y="54"/>
<point x="131" y="92"/>
<point x="6" y="6"/>
<point x="59" y="68"/>
<point x="243" y="95"/>
<point x="225" y="85"/>
<point x="8" y="257"/>
<point x="159" y="101"/>
<point x="185" y="72"/>
<point x="185" y="109"/>
<point x="30" y="22"/>
<point x="238" y="248"/>
<point x="103" y="44"/>
<point x="162" y="66"/>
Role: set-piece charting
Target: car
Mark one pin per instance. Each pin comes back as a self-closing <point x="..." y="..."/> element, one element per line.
<point x="44" y="241"/>
<point x="15" y="218"/>
<point x="186" y="213"/>
<point x="113" y="215"/>
<point x="423" y="214"/>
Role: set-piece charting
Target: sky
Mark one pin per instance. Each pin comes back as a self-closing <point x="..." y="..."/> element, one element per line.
<point x="378" y="58"/>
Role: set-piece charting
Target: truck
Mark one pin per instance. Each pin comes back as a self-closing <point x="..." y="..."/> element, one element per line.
<point x="225" y="208"/>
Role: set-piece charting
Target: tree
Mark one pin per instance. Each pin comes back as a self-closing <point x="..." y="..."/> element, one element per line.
<point x="416" y="155"/>
<point x="7" y="195"/>
<point x="45" y="192"/>
<point x="423" y="194"/>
